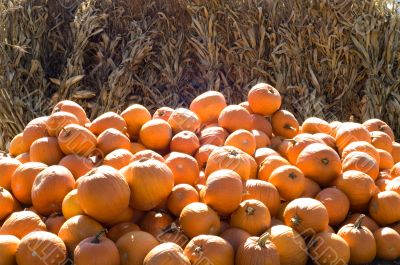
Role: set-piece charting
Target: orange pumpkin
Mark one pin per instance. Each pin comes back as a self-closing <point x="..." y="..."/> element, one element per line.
<point x="6" y="203"/>
<point x="336" y="203"/>
<point x="329" y="248"/>
<point x="185" y="142"/>
<point x="50" y="187"/>
<point x="197" y="218"/>
<point x="382" y="207"/>
<point x="223" y="191"/>
<point x="264" y="99"/>
<point x="209" y="248"/>
<point x="75" y="139"/>
<point x="327" y="139"/>
<point x="34" y="130"/>
<point x="208" y="106"/>
<point x="54" y="222"/>
<point x="252" y="216"/>
<point x="163" y="113"/>
<point x="118" y="158"/>
<point x="184" y="168"/>
<point x="258" y="251"/>
<point x="315" y="125"/>
<point x="118" y="230"/>
<point x="360" y="240"/>
<point x="350" y="132"/>
<point x="137" y="147"/>
<point x="147" y="154"/>
<point x="284" y="124"/>
<point x="289" y="180"/>
<point x="262" y="140"/>
<point x="260" y="123"/>
<point x="23" y="158"/>
<point x="361" y="146"/>
<point x="70" y="205"/>
<point x="97" y="250"/>
<point x="394" y="185"/>
<point x="362" y="162"/>
<point x="246" y="105"/>
<point x="395" y="170"/>
<point x="8" y="249"/>
<point x="381" y="140"/>
<point x="184" y="120"/>
<point x="234" y="117"/>
<point x="387" y="243"/>
<point x="20" y="224"/>
<point x="264" y="192"/>
<point x="358" y="187"/>
<point x="112" y="139"/>
<point x="296" y="146"/>
<point x="235" y="237"/>
<point x="167" y="254"/>
<point x="385" y="160"/>
<point x="181" y="196"/>
<point x="58" y="120"/>
<point x="73" y="108"/>
<point x="243" y="140"/>
<point x="366" y="221"/>
<point x="311" y="188"/>
<point x="382" y="183"/>
<point x="376" y="125"/>
<point x="134" y="246"/>
<point x="155" y="222"/>
<point x="46" y="150"/>
<point x="396" y="152"/>
<point x="173" y="234"/>
<point x="106" y="121"/>
<point x="18" y="146"/>
<point x="307" y="216"/>
<point x="264" y="152"/>
<point x="77" y="165"/>
<point x="135" y="116"/>
<point x="270" y="164"/>
<point x="76" y="229"/>
<point x="156" y="134"/>
<point x="213" y="135"/>
<point x="203" y="154"/>
<point x="32" y="249"/>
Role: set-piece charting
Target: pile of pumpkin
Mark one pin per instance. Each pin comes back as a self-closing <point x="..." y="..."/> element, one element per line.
<point x="213" y="184"/>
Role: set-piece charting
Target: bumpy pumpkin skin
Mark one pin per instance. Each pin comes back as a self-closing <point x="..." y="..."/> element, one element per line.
<point x="167" y="254"/>
<point x="208" y="106"/>
<point x="329" y="248"/>
<point x="8" y="249"/>
<point x="257" y="251"/>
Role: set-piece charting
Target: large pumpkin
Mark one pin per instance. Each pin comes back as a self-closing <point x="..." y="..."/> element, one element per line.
<point x="315" y="125"/>
<point x="264" y="99"/>
<point x="50" y="187"/>
<point x="134" y="246"/>
<point x="289" y="180"/>
<point x="269" y="164"/>
<point x="328" y="248"/>
<point x="264" y="192"/>
<point x="8" y="249"/>
<point x="7" y="203"/>
<point x="208" y="106"/>
<point x="211" y="249"/>
<point x="59" y="120"/>
<point x="387" y="243"/>
<point x="20" y="224"/>
<point x="156" y="134"/>
<point x="103" y="194"/>
<point x="284" y="124"/>
<point x="223" y="191"/>
<point x="135" y="117"/>
<point x="362" y="162"/>
<point x="185" y="142"/>
<point x="73" y="108"/>
<point x="34" y="249"/>
<point x="376" y="125"/>
<point x="78" y="165"/>
<point x="106" y="121"/>
<point x="350" y="132"/>
<point x="235" y="237"/>
<point x="184" y="120"/>
<point x="235" y="117"/>
<point x="75" y="139"/>
<point x="184" y="168"/>
<point x="181" y="196"/>
<point x="112" y="139"/>
<point x="336" y="203"/>
<point x="257" y="251"/>
<point x="383" y="207"/>
<point x="166" y="254"/>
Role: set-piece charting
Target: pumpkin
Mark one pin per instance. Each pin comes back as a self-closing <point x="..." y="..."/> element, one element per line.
<point x="134" y="246"/>
<point x="361" y="146"/>
<point x="260" y="123"/>
<point x="243" y="140"/>
<point x="246" y="105"/>
<point x="284" y="124"/>
<point x="118" y="158"/>
<point x="213" y="135"/>
<point x="257" y="251"/>
<point x="75" y="139"/>
<point x="103" y="194"/>
<point x="327" y="139"/>
<point x="264" y="99"/>
<point x="253" y="166"/>
<point x="307" y="216"/>
<point x="289" y="181"/>
<point x="112" y="139"/>
<point x="387" y="243"/>
<point x="147" y="154"/>
<point x="264" y="152"/>
<point x="136" y="147"/>
<point x="358" y="187"/>
<point x="97" y="250"/>
<point x="77" y="165"/>
<point x="329" y="248"/>
<point x="235" y="117"/>
<point x="211" y="249"/>
<point x="166" y="254"/>
<point x="23" y="158"/>
<point x="6" y="203"/>
<point x="360" y="240"/>
<point x="264" y="192"/>
<point x="163" y="113"/>
<point x="235" y="237"/>
<point x="311" y="188"/>
<point x="156" y="134"/>
<point x="382" y="207"/>
<point x="46" y="150"/>
<point x="184" y="168"/>
<point x="315" y="125"/>
<point x="261" y="138"/>
<point x="18" y="146"/>
<point x="208" y="106"/>
<point x="8" y="249"/>
<point x="362" y="162"/>
<point x="34" y="130"/>
<point x="54" y="222"/>
<point x="335" y="125"/>
<point x="33" y="249"/>
<point x="229" y="157"/>
<point x="118" y="230"/>
<point x="73" y="108"/>
<point x="76" y="229"/>
<point x="336" y="203"/>
<point x="181" y="196"/>
<point x="381" y="140"/>
<point x="366" y="221"/>
<point x="252" y="216"/>
<point x="57" y="120"/>
<point x="297" y="144"/>
<point x="385" y="160"/>
<point x="376" y="125"/>
<point x="185" y="142"/>
<point x="203" y="154"/>
<point x="382" y="183"/>
<point x="223" y="191"/>
<point x="197" y="218"/>
<point x="127" y="215"/>
<point x="319" y="163"/>
<point x="184" y="120"/>
<point x="173" y="234"/>
<point x="291" y="246"/>
<point x="394" y="185"/>
<point x="350" y="132"/>
<point x="106" y="121"/>
<point x="395" y="170"/>
<point x="154" y="222"/>
<point x="20" y="224"/>
<point x="135" y="116"/>
<point x="70" y="205"/>
<point x="142" y="177"/>
<point x="396" y="152"/>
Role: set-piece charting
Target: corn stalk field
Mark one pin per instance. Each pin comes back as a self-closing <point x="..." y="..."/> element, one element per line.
<point x="336" y="59"/>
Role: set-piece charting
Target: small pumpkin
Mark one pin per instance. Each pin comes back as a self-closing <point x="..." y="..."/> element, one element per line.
<point x="73" y="108"/>
<point x="184" y="168"/>
<point x="23" y="158"/>
<point x="396" y="152"/>
<point x="257" y="251"/>
<point x="46" y="150"/>
<point x="361" y="146"/>
<point x="112" y="139"/>
<point x="350" y="132"/>
<point x="166" y="254"/>
<point x="118" y="158"/>
<point x="362" y="162"/>
<point x="252" y="216"/>
<point x="197" y="218"/>
<point x="264" y="99"/>
<point x="118" y="230"/>
<point x="214" y="135"/>
<point x="21" y="223"/>
<point x="181" y="196"/>
<point x="311" y="188"/>
<point x="135" y="117"/>
<point x="381" y="140"/>
<point x="264" y="152"/>
<point x="54" y="222"/>
<point x="77" y="165"/>
<point x="106" y="121"/>
<point x="376" y="125"/>
<point x="328" y="248"/>
<point x="96" y="250"/>
<point x="156" y="134"/>
<point x="387" y="243"/>
<point x="6" y="203"/>
<point x="34" y="130"/>
<point x="154" y="222"/>
<point x="184" y="120"/>
<point x="327" y="139"/>
<point x="147" y="154"/>
<point x="289" y="180"/>
<point x="203" y="154"/>
<point x="262" y="140"/>
<point x="385" y="160"/>
<point x="260" y="123"/>
<point x="70" y="205"/>
<point x="208" y="106"/>
<point x="163" y="113"/>
<point x="8" y="249"/>
<point x="235" y="117"/>
<point x="269" y="165"/>
<point x="297" y="144"/>
<point x="284" y="124"/>
<point x="382" y="207"/>
<point x="58" y="120"/>
<point x="70" y="140"/>
<point x="136" y="147"/>
<point x="366" y="221"/>
<point x="235" y="237"/>
<point x="264" y="192"/>
<point x="185" y="142"/>
<point x="315" y="125"/>
<point x="336" y="203"/>
<point x="18" y="146"/>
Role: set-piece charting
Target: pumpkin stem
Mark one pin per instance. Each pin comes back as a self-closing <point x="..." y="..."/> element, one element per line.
<point x="262" y="240"/>
<point x="198" y="250"/>
<point x="358" y="222"/>
<point x="250" y="210"/>
<point x="233" y="152"/>
<point x="296" y="220"/>
<point x="382" y="128"/>
<point x="292" y="175"/>
<point x="288" y="127"/>
<point x="270" y="90"/>
<point x="1" y="189"/>
<point x="96" y="239"/>
<point x="325" y="161"/>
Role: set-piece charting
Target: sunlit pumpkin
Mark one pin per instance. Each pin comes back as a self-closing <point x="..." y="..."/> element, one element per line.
<point x="183" y="119"/>
<point x="208" y="106"/>
<point x="336" y="203"/>
<point x="166" y="254"/>
<point x="382" y="207"/>
<point x="284" y="124"/>
<point x="46" y="150"/>
<point x="328" y="248"/>
<point x="362" y="162"/>
<point x="264" y="99"/>
<point x="156" y="134"/>
<point x="106" y="121"/>
<point x="235" y="117"/>
<point x="21" y="223"/>
<point x="70" y="205"/>
<point x="135" y="117"/>
<point x="376" y="125"/>
<point x="387" y="243"/>
<point x="289" y="180"/>
<point x="214" y="135"/>
<point x="315" y="125"/>
<point x="350" y="132"/>
<point x="8" y="249"/>
<point x="75" y="139"/>
<point x="264" y="192"/>
<point x="184" y="167"/>
<point x="163" y="113"/>
<point x="257" y="251"/>
<point x="185" y="142"/>
<point x="181" y="196"/>
<point x="243" y="140"/>
<point x="73" y="108"/>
